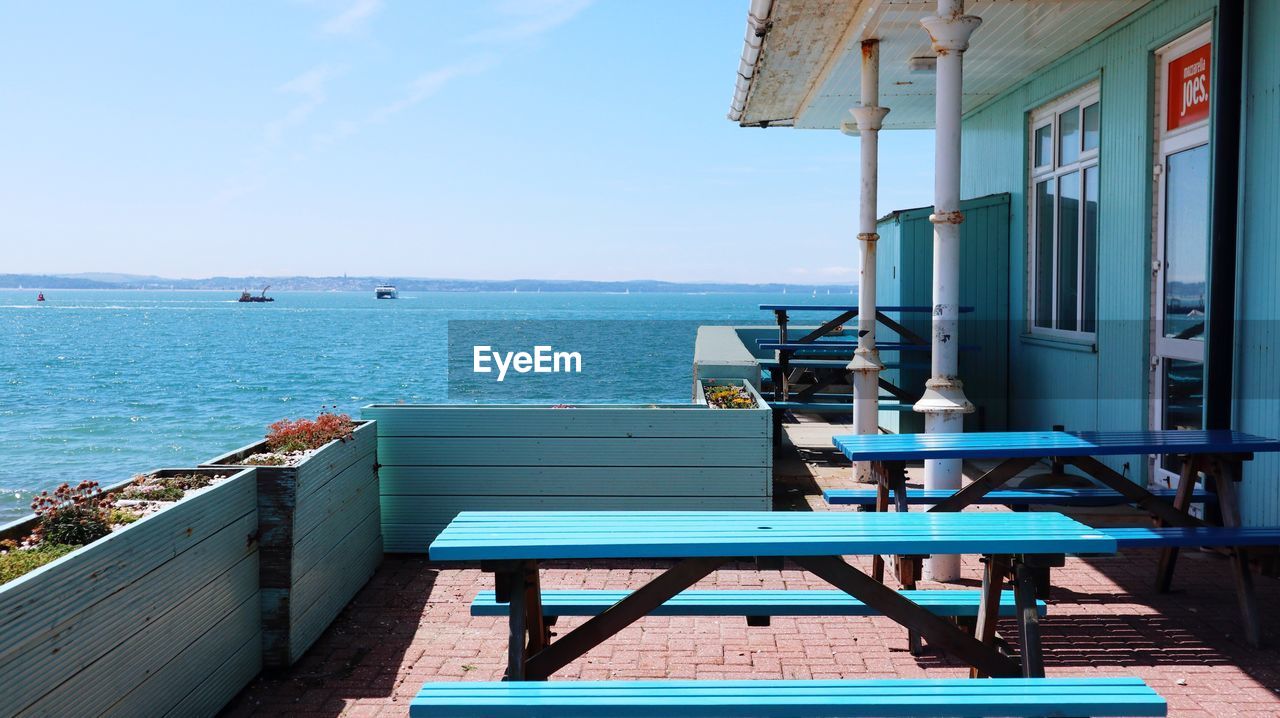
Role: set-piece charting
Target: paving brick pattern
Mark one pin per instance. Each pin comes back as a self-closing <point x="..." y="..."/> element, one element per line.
<point x="411" y="625"/>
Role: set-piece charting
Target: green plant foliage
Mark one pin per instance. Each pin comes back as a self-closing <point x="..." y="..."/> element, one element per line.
<point x="168" y="488"/>
<point x="17" y="562"/>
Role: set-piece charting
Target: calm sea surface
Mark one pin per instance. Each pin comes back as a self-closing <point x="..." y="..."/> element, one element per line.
<point x="104" y="384"/>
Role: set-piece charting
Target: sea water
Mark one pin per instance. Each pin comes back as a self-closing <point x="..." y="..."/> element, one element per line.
<point x="102" y="385"/>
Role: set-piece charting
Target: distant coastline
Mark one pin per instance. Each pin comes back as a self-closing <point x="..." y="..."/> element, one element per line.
<point x="409" y="284"/>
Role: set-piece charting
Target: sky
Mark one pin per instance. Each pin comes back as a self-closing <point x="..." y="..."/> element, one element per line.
<point x="551" y="139"/>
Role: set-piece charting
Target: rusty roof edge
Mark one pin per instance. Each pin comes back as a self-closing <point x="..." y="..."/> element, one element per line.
<point x="752" y="49"/>
<point x="853" y="32"/>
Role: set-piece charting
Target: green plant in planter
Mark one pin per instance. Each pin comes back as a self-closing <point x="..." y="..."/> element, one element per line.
<point x="15" y="562"/>
<point x="72" y="515"/>
<point x="729" y="397"/>
<point x="167" y="488"/>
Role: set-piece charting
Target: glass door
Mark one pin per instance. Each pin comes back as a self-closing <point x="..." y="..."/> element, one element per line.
<point x="1181" y="250"/>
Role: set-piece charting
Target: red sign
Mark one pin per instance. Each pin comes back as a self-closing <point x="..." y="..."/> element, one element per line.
<point x="1188" y="88"/>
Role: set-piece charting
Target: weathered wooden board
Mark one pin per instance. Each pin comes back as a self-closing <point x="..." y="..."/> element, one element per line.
<point x="410" y="523"/>
<point x="439" y="460"/>
<point x="575" y="480"/>
<point x="607" y="421"/>
<point x="93" y="632"/>
<point x="577" y="451"/>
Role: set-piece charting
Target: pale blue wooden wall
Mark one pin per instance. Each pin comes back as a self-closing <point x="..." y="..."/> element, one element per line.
<point x="904" y="277"/>
<point x="1085" y="387"/>
<point x="1258" y="341"/>
<point x="439" y="460"/>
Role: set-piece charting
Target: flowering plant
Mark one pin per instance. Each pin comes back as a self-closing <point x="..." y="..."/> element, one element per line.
<point x="289" y="435"/>
<point x="72" y="515"/>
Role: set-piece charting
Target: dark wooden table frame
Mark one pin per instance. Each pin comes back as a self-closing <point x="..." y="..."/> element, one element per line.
<point x="531" y="654"/>
<point x="1222" y="472"/>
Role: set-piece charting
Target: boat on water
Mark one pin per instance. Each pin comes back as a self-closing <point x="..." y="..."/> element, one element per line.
<point x="245" y="296"/>
<point x="386" y="291"/>
<point x="40" y="297"/>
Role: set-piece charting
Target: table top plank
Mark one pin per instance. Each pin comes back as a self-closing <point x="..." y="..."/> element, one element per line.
<point x="515" y="535"/>
<point x="1039" y="444"/>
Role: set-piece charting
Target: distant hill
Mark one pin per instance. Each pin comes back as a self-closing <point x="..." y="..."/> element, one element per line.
<point x="104" y="280"/>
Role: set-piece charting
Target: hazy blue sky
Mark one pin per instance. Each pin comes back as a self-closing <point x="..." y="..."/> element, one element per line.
<point x="517" y="138"/>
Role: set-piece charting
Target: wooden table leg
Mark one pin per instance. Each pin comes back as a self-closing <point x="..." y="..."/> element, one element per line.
<point x="1024" y="591"/>
<point x="938" y="631"/>
<point x="600" y="627"/>
<point x="1147" y="501"/>
<point x="993" y="479"/>
<point x="1182" y="502"/>
<point x="880" y="472"/>
<point x="1224" y="473"/>
<point x="517" y="646"/>
<point x="993" y="574"/>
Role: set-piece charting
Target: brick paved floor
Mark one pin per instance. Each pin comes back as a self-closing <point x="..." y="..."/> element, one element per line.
<point x="411" y="625"/>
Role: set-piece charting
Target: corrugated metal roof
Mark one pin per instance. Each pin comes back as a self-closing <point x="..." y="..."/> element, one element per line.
<point x="807" y="73"/>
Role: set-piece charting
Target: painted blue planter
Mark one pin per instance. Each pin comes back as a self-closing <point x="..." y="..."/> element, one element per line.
<point x="159" y="617"/>
<point x="319" y="536"/>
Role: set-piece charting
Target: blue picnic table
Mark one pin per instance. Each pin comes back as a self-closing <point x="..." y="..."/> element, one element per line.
<point x="512" y="545"/>
<point x="1215" y="454"/>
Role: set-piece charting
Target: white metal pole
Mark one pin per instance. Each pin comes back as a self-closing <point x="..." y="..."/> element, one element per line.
<point x="866" y="366"/>
<point x="944" y="403"/>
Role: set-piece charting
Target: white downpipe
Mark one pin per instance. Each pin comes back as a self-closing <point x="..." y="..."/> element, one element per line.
<point x="866" y="366"/>
<point x="944" y="403"/>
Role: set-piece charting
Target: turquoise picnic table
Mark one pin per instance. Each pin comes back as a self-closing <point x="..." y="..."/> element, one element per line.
<point x="1217" y="455"/>
<point x="512" y="545"/>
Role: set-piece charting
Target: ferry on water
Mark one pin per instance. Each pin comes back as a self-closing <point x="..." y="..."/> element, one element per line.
<point x="386" y="291"/>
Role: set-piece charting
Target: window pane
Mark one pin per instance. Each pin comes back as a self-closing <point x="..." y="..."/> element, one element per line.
<point x="1044" y="145"/>
<point x="1092" y="126"/>
<point x="1068" y="249"/>
<point x="1183" y="390"/>
<point x="1044" y="254"/>
<point x="1069" y="136"/>
<point x="1089" y="260"/>
<point x="1186" y="242"/>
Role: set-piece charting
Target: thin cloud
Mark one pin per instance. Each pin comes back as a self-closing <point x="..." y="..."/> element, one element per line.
<point x="527" y="19"/>
<point x="430" y="83"/>
<point x="353" y="18"/>
<point x="310" y="87"/>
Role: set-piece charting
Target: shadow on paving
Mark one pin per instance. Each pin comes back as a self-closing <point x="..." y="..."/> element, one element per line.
<point x="359" y="655"/>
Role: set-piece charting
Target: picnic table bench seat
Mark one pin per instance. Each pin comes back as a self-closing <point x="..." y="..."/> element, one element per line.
<point x="1193" y="536"/>
<point x="957" y="698"/>
<point x="751" y="603"/>
<point x="1009" y="497"/>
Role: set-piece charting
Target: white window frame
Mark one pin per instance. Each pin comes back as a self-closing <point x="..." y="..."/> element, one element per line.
<point x="1048" y="115"/>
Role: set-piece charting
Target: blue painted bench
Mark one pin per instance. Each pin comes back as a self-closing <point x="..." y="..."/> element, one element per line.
<point x="956" y="698"/>
<point x="1215" y="453"/>
<point x="751" y="603"/>
<point x="1009" y="497"/>
<point x="1193" y="536"/>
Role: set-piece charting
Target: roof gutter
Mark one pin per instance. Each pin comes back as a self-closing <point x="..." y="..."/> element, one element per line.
<point x="752" y="43"/>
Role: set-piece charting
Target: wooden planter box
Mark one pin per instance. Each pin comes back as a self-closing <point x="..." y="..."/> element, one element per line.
<point x="159" y="617"/>
<point x="319" y="538"/>
<point x="438" y="460"/>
